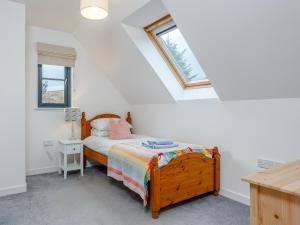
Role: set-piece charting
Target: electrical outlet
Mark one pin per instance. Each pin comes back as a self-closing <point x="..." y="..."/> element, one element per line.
<point x="267" y="164"/>
<point x="48" y="143"/>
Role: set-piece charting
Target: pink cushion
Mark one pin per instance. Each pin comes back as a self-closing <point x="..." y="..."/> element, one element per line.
<point x="119" y="130"/>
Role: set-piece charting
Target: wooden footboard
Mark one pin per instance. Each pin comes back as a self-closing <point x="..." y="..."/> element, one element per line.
<point x="185" y="177"/>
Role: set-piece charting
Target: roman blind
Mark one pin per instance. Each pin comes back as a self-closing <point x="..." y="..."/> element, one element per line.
<point x="56" y="55"/>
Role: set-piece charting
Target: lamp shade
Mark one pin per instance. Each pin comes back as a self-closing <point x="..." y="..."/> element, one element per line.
<point x="72" y="114"/>
<point x="94" y="9"/>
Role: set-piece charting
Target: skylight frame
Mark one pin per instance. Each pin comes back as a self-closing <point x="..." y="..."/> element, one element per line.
<point x="150" y="30"/>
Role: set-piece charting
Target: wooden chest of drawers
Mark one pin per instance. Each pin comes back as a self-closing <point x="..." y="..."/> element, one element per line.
<point x="275" y="195"/>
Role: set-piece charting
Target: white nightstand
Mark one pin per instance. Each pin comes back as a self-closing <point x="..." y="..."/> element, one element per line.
<point x="70" y="147"/>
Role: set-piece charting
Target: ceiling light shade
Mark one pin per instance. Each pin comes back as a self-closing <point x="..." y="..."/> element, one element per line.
<point x="94" y="9"/>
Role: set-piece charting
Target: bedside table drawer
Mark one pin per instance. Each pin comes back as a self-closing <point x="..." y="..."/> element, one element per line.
<point x="73" y="148"/>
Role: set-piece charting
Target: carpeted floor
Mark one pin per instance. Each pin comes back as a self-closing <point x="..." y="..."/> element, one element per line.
<point x="98" y="200"/>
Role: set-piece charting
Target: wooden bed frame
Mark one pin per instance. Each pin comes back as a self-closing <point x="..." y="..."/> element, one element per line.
<point x="185" y="177"/>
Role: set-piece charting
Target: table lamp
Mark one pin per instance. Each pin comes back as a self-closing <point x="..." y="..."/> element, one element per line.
<point x="72" y="115"/>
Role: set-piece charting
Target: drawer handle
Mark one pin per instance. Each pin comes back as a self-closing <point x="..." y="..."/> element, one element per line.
<point x="74" y="149"/>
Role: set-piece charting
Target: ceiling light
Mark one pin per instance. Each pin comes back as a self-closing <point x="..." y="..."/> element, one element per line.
<point x="94" y="9"/>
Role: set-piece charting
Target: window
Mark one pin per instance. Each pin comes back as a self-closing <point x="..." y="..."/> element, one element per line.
<point x="172" y="46"/>
<point x="54" y="86"/>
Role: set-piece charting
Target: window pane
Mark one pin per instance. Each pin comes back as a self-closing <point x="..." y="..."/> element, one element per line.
<point x="53" y="91"/>
<point x="181" y="55"/>
<point x="54" y="72"/>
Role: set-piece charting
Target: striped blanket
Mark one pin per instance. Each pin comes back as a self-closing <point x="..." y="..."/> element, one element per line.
<point x="131" y="164"/>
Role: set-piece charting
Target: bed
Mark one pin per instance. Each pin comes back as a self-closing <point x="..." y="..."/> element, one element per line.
<point x="184" y="177"/>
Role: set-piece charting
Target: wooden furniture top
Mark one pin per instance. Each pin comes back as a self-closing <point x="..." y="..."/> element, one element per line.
<point x="70" y="141"/>
<point x="285" y="178"/>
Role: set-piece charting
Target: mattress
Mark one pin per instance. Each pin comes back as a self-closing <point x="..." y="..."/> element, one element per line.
<point x="103" y="144"/>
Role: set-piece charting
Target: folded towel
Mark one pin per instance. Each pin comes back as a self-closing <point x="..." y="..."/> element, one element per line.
<point x="160" y="142"/>
<point x="159" y="146"/>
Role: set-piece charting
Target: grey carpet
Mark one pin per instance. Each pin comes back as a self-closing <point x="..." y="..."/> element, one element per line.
<point x="96" y="199"/>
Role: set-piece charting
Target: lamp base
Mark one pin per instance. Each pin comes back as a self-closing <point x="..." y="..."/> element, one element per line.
<point x="73" y="137"/>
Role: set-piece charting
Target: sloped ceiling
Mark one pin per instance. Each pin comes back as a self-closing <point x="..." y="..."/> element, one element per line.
<point x="249" y="49"/>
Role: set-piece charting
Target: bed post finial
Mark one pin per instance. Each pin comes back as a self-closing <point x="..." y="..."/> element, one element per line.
<point x="216" y="152"/>
<point x="129" y="119"/>
<point x="155" y="162"/>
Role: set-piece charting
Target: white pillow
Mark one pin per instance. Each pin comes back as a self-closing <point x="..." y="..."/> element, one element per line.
<point x="102" y="124"/>
<point x="99" y="133"/>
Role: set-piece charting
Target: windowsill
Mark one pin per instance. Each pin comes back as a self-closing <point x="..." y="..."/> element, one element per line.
<point x="197" y="94"/>
<point x="48" y="109"/>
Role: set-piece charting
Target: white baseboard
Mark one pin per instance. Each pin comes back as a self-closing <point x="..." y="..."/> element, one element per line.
<point x="235" y="196"/>
<point x="44" y="170"/>
<point x="13" y="190"/>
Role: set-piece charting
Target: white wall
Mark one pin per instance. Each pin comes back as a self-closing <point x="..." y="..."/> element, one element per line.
<point x="93" y="93"/>
<point x="243" y="130"/>
<point x="12" y="98"/>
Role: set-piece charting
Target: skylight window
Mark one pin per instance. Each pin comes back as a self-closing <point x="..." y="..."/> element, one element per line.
<point x="172" y="46"/>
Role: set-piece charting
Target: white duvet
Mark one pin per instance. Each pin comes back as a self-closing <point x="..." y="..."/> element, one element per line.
<point x="103" y="144"/>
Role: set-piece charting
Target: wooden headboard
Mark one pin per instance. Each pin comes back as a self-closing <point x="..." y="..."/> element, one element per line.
<point x="86" y="124"/>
